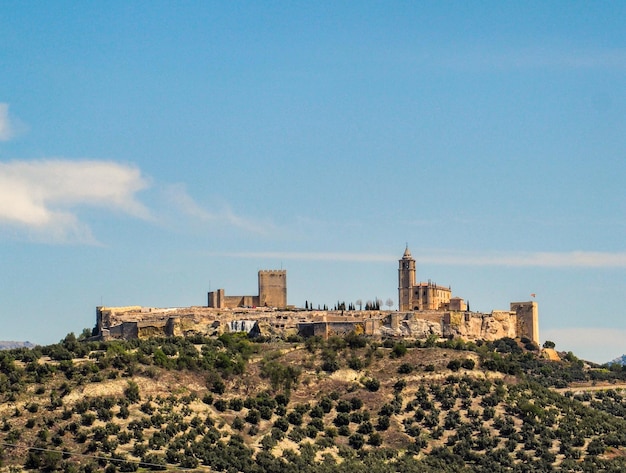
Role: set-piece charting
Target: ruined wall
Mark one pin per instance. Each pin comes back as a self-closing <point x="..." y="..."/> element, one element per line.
<point x="241" y="301"/>
<point x="105" y="315"/>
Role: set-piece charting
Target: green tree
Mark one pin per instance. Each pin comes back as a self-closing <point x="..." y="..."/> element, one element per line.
<point x="132" y="392"/>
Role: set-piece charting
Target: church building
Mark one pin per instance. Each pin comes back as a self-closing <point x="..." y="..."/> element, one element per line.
<point x="422" y="295"/>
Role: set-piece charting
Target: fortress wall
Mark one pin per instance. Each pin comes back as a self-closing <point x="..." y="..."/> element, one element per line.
<point x="429" y="315"/>
<point x="218" y="300"/>
<point x="133" y="322"/>
<point x="240" y="301"/>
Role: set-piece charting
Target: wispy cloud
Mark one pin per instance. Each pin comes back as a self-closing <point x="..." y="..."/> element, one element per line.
<point x="42" y="196"/>
<point x="531" y="259"/>
<point x="537" y="259"/>
<point x="7" y="130"/>
<point x="599" y="345"/>
<point x="304" y="256"/>
<point x="219" y="214"/>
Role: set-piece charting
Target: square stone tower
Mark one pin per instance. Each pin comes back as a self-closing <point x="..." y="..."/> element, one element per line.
<point x="273" y="288"/>
<point x="527" y="319"/>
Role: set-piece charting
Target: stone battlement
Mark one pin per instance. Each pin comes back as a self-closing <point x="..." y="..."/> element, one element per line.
<point x="147" y="322"/>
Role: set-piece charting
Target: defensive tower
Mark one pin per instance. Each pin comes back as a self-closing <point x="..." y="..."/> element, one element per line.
<point x="273" y="288"/>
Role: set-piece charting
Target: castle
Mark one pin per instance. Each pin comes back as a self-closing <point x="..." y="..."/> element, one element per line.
<point x="425" y="309"/>
<point x="272" y="293"/>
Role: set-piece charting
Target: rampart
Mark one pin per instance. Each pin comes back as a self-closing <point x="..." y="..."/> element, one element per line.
<point x="141" y="322"/>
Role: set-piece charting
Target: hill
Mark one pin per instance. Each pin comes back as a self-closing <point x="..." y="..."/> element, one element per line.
<point x="5" y="345"/>
<point x="620" y="360"/>
<point x="345" y="404"/>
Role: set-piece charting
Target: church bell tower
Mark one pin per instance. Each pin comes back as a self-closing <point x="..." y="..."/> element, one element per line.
<point x="406" y="280"/>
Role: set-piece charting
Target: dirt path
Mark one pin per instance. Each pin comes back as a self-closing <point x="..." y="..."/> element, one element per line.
<point x="590" y="387"/>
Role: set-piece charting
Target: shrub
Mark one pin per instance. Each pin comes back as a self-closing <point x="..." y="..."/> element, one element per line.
<point x="399" y="385"/>
<point x="344" y="431"/>
<point x="344" y="406"/>
<point x="326" y="404"/>
<point x="295" y="418"/>
<point x="372" y="384"/>
<point x="356" y="403"/>
<point x="375" y="439"/>
<point x="383" y="423"/>
<point x="236" y="404"/>
<point x="399" y="350"/>
<point x="355" y="363"/>
<point x="237" y="423"/>
<point x="132" y="392"/>
<point x="356" y="341"/>
<point x="342" y="419"/>
<point x="330" y="365"/>
<point x="365" y="428"/>
<point x="281" y="424"/>
<point x="218" y="386"/>
<point x="221" y="405"/>
<point x="356" y="441"/>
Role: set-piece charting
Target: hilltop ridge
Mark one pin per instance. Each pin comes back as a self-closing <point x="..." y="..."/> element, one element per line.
<point x="8" y="345"/>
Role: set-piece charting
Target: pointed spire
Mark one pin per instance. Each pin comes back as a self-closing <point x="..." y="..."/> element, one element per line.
<point x="407" y="253"/>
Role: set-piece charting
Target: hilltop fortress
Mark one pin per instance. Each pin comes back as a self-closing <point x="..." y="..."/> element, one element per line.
<point x="424" y="309"/>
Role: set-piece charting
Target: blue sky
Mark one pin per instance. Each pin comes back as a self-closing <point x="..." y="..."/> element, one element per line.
<point x="151" y="151"/>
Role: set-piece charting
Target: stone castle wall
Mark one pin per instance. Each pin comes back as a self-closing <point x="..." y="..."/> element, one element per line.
<point x="134" y="322"/>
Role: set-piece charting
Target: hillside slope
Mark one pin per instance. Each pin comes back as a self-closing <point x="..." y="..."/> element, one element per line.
<point x="352" y="404"/>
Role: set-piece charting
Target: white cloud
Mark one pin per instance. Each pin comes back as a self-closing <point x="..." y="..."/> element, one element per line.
<point x="599" y="345"/>
<point x="587" y="259"/>
<point x="42" y="196"/>
<point x="6" y="128"/>
<point x="221" y="214"/>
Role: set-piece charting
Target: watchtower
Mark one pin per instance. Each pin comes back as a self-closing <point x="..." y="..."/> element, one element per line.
<point x="527" y="319"/>
<point x="273" y="288"/>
